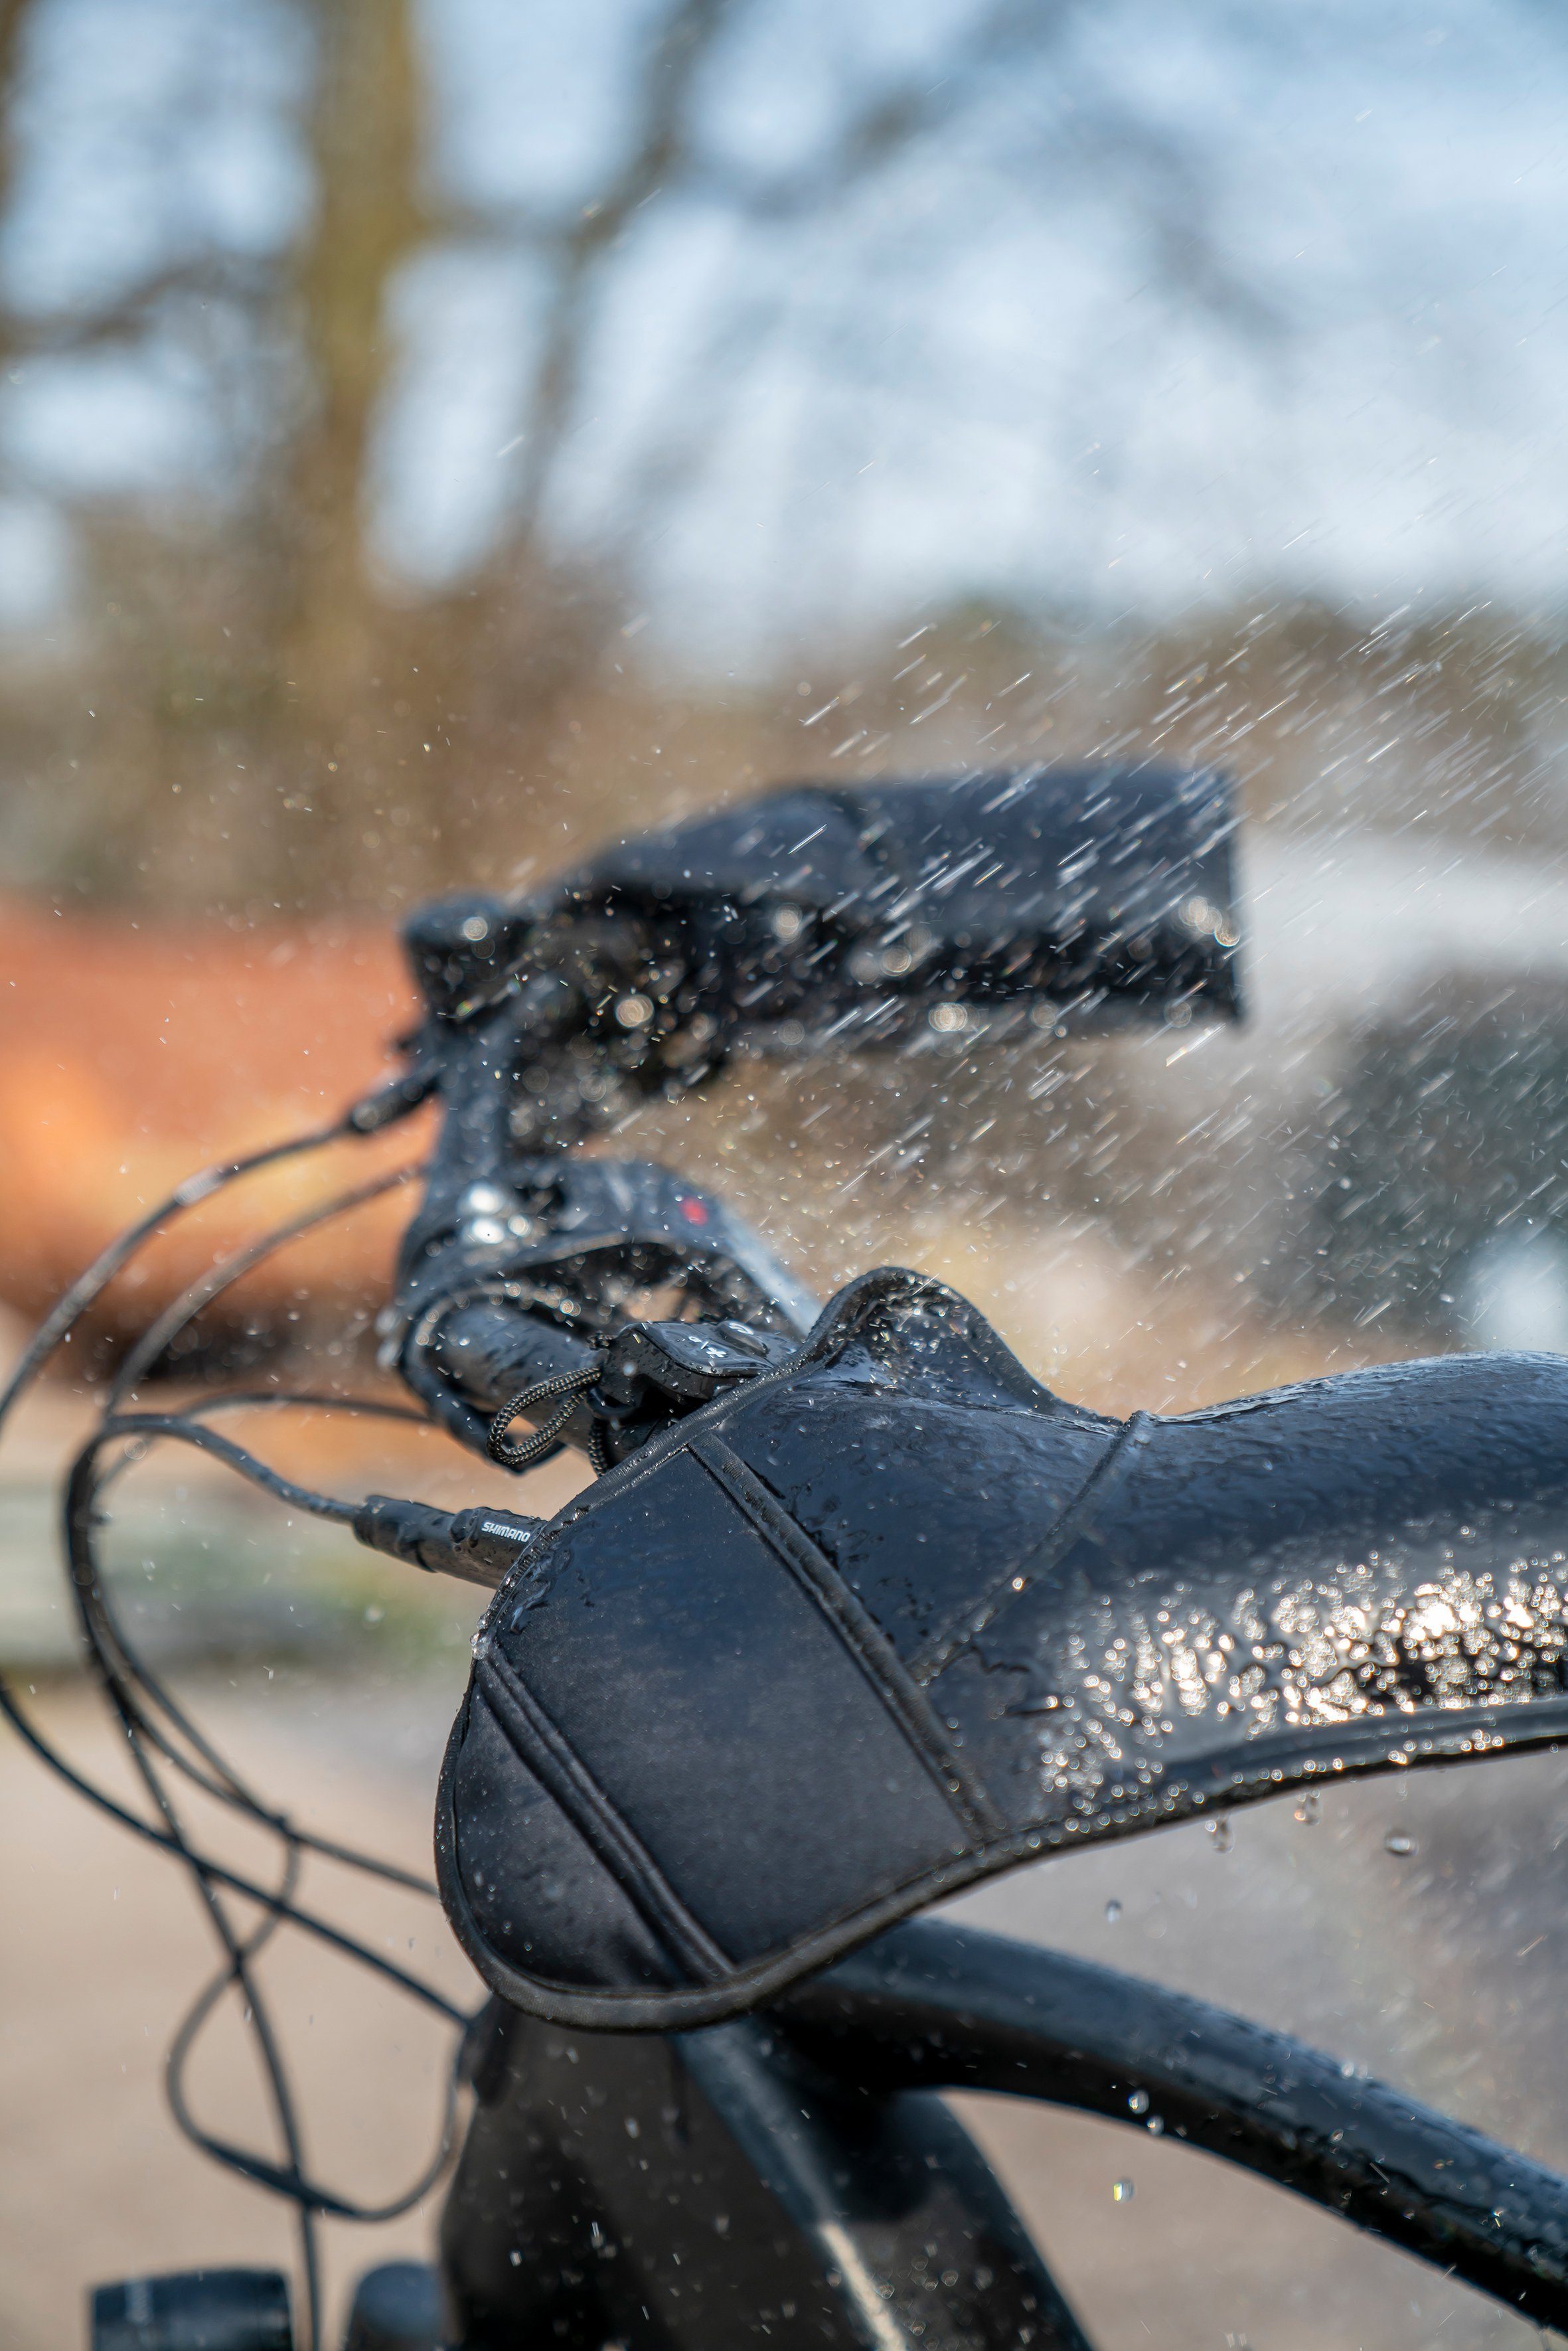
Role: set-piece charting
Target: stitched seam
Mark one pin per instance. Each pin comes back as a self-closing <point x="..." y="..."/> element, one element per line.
<point x="649" y="1457"/>
<point x="640" y="1465"/>
<point x="857" y="1630"/>
<point x="940" y="1651"/>
<point x="564" y="1776"/>
<point x="761" y="1980"/>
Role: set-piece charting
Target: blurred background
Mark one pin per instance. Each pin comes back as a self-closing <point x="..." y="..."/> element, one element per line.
<point x="438" y="434"/>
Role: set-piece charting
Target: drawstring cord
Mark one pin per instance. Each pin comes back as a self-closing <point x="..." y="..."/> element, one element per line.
<point x="569" y="1387"/>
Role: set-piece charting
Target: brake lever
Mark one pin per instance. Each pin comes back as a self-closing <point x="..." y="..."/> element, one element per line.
<point x="648" y="1374"/>
<point x="685" y="1363"/>
<point x="651" y="1375"/>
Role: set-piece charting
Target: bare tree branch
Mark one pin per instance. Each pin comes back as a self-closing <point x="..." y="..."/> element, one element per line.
<point x="1175" y="207"/>
<point x="893" y="120"/>
<point x="207" y="278"/>
<point x="662" y="155"/>
<point x="655" y="153"/>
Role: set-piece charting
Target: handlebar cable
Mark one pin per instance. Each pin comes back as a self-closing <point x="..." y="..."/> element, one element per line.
<point x="92" y="1595"/>
<point x="294" y="2185"/>
<point x="104" y="1633"/>
<point x="81" y="1522"/>
<point x="239" y="1950"/>
<point x="185" y="1429"/>
<point x="157" y="1339"/>
<point x="88" y="1286"/>
<point x="67" y="1311"/>
<point x="290" y="2179"/>
<point x="274" y="1903"/>
<point x="86" y="1485"/>
<point x="364" y="1118"/>
<point x="221" y="1874"/>
<point x="153" y="1344"/>
<point x="278" y="1906"/>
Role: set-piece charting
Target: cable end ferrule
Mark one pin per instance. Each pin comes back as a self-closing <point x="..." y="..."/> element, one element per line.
<point x="477" y="1545"/>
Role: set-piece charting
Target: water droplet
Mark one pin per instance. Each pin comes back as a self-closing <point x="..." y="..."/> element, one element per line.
<point x="1155" y="2124"/>
<point x="1123" y="2191"/>
<point x="1309" y="1812"/>
<point x="1113" y="1911"/>
<point x="1221" y="1833"/>
<point x="1138" y="2104"/>
<point x="1396" y="1842"/>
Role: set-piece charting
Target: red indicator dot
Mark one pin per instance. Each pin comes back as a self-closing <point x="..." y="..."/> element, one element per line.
<point x="693" y="1212"/>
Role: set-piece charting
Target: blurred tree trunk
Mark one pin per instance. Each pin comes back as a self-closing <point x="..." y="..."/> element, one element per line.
<point x="372" y="785"/>
<point x="14" y="15"/>
<point x="366" y="139"/>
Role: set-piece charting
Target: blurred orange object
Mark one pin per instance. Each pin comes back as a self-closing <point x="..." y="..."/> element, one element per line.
<point x="132" y="1053"/>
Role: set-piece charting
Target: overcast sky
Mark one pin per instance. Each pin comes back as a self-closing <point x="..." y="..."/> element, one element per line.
<point x="977" y="374"/>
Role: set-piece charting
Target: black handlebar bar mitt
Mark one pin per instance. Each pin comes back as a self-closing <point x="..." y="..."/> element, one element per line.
<point x="1122" y="869"/>
<point x="894" y="1618"/>
<point x="458" y="947"/>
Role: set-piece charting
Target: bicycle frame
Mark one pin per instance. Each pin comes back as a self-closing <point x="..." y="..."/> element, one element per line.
<point x="796" y="2177"/>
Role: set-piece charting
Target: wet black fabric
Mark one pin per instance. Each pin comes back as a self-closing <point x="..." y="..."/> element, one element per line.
<point x="895" y="1618"/>
<point x="986" y="859"/>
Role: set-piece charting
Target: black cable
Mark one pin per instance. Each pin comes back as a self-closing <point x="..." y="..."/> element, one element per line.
<point x="297" y="2187"/>
<point x="157" y="1339"/>
<point x="81" y="1518"/>
<point x="68" y="1309"/>
<point x="207" y="1999"/>
<point x="258" y="2018"/>
<point x="234" y="1793"/>
<point x="195" y="1188"/>
<point x="221" y="1874"/>
<point x="187" y="1431"/>
<point x="153" y="1345"/>
<point x="103" y="1637"/>
<point x="280" y="1908"/>
<point x="291" y="2178"/>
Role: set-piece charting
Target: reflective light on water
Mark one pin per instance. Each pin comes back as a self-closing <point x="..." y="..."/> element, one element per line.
<point x="1512" y="1292"/>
